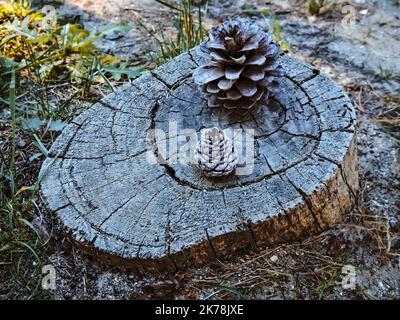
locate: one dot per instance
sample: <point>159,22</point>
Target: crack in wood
<point>211,244</point>
<point>353,193</point>
<point>308,203</point>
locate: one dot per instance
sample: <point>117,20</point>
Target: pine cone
<point>243,67</point>
<point>215,153</point>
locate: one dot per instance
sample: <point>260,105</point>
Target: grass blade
<point>13,122</point>
<point>234,291</point>
<point>27,246</point>
<point>41,146</point>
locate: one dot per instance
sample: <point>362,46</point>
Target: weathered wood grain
<point>164,214</point>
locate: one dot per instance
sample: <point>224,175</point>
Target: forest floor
<point>362,55</point>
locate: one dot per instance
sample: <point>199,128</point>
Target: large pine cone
<point>215,153</point>
<point>243,67</point>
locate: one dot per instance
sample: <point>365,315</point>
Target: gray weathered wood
<point>163,215</point>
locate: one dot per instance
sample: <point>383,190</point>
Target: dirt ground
<point>361,53</point>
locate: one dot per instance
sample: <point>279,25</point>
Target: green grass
<point>272,26</point>
<point>189,30</point>
<point>20,243</point>
<point>35,64</point>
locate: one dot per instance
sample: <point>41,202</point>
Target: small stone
<point>274,258</point>
<point>394,224</point>
<point>21,142</point>
<point>5,114</point>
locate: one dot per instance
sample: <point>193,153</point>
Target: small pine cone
<point>215,153</point>
<point>243,67</point>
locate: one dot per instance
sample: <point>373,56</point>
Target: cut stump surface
<point>159,214</point>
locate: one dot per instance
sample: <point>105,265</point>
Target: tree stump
<point>161,215</point>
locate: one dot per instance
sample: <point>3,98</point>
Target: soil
<point>363,58</point>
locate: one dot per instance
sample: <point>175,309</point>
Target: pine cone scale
<point>250,46</point>
<point>270,65</point>
<point>219,58</point>
<point>240,60</point>
<point>225,84</point>
<point>254,73</point>
<point>246,87</point>
<point>216,45</point>
<point>212,87</point>
<point>272,51</point>
<point>256,60</point>
<point>233,94</point>
<point>257,96</point>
